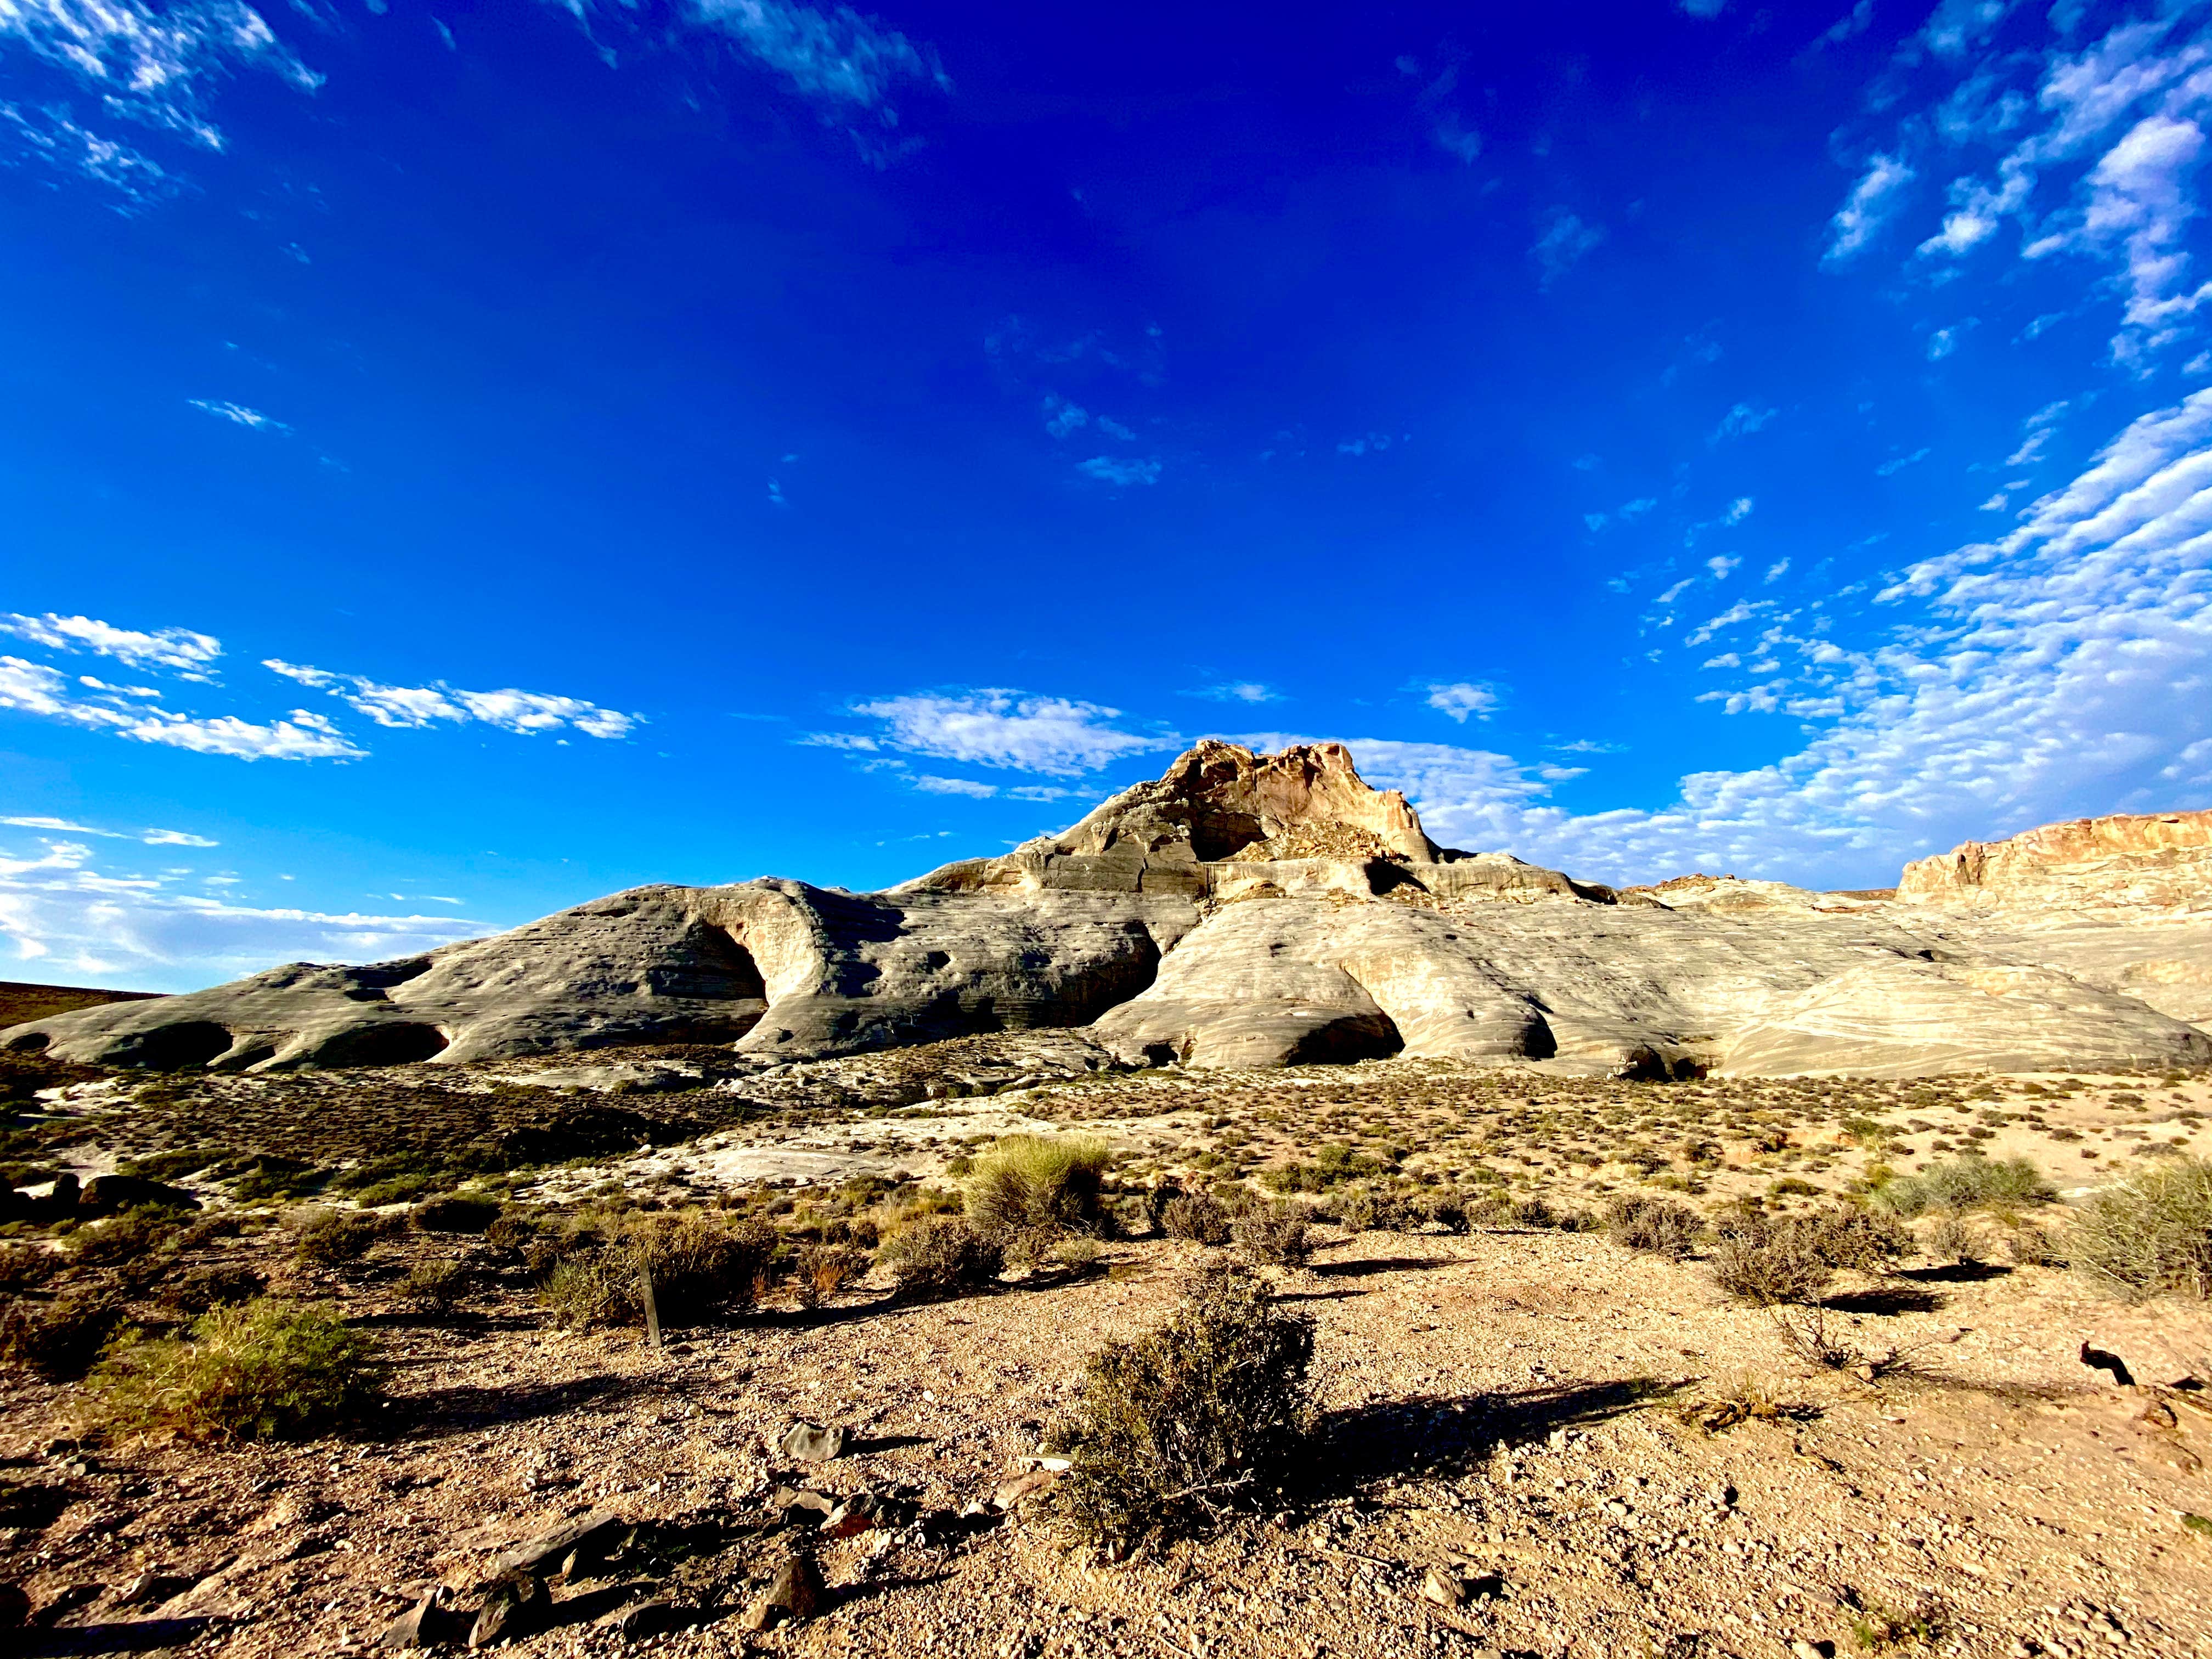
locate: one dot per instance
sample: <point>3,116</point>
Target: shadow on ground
<point>1440,1434</point>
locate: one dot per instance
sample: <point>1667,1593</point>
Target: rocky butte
<point>1249,909</point>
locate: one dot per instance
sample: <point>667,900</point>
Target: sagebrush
<point>1038,1188</point>
<point>1204,1416</point>
<point>2149,1235</point>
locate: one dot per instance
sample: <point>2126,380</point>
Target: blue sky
<point>458,460</point>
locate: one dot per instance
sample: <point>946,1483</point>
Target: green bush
<point>262,1371</point>
<point>456,1212</point>
<point>1031,1185</point>
<point>1657,1226</point>
<point>1204,1416</point>
<point>936,1255</point>
<point>2149,1235</point>
<point>1279,1233</point>
<point>1373,1210</point>
<point>1965,1184</point>
<point>60,1339</point>
<point>435,1284</point>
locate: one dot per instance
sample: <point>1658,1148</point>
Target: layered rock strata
<point>1256,911</point>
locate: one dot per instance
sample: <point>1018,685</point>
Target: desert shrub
<point>1279,1233</point>
<point>265,1175</point>
<point>1850,1235</point>
<point>262,1371</point>
<point>1203,1416</point>
<point>2149,1235</point>
<point>937,1255</point>
<point>513,1231</point>
<point>130,1236</point>
<point>26,1266</point>
<point>1445,1210</point>
<point>703,1266</point>
<point>1965,1184</point>
<point>1373,1210</point>
<point>1769,1258</point>
<point>58,1340</point>
<point>1078,1253</point>
<point>1035,1185</point>
<point>200,1289</point>
<point>1744,1398</point>
<point>456,1212</point>
<point>171,1164</point>
<point>1197,1216</point>
<point>331,1238</point>
<point>1951,1239</point>
<point>435,1284</point>
<point>1657,1226</point>
<point>824,1270</point>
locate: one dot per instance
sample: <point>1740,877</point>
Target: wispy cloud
<point>1462,700</point>
<point>33,689</point>
<point>149,838</point>
<point>181,650</point>
<point>1741,422</point>
<point>1874,199</point>
<point>51,136</point>
<point>1564,241</point>
<point>64,909</point>
<point>1113,469</point>
<point>237,414</point>
<point>1241,691</point>
<point>529,714</point>
<point>1058,737</point>
<point>930,784</point>
<point>1899,462</point>
<point>159,67</point>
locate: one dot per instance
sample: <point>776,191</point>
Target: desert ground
<point>1530,1438</point>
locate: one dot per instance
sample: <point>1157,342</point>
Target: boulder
<point>109,1194</point>
<point>811,1442</point>
<point>795,1594</point>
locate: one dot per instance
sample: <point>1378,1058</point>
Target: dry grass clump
<point>1034,1189</point>
<point>1203,1416</point>
<point>1745,1398</point>
<point>825,1269</point>
<point>1966,1183</point>
<point>2149,1235</point>
<point>455,1212</point>
<point>331,1238</point>
<point>1278,1234</point>
<point>262,1371</point>
<point>1658,1226</point>
<point>939,1255</point>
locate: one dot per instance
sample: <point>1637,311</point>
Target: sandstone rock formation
<point>1256,910</point>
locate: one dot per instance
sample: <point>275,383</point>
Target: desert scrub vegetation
<point>1028,1190</point>
<point>330,1238</point>
<point>1769,1258</point>
<point>701,1265</point>
<point>258,1371</point>
<point>1965,1184</point>
<point>60,1339</point>
<point>939,1255</point>
<point>1199,1217</point>
<point>1278,1234</point>
<point>1657,1226</point>
<point>2150,1235</point>
<point>1204,1416</point>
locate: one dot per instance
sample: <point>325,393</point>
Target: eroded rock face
<point>2144,862</point>
<point>1256,910</point>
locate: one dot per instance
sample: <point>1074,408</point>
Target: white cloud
<point>1741,422</point>
<point>50,136</point>
<point>1738,510</point>
<point>2139,200</point>
<point>1366,443</point>
<point>929,783</point>
<point>1114,428</point>
<point>178,649</point>
<point>1705,8</point>
<point>1109,470</point>
<point>174,838</point>
<point>1462,699</point>
<point>834,55</point>
<point>1564,242</point>
<point>1062,417</point>
<point>237,414</point>
<point>2065,669</point>
<point>1899,462</point>
<point>411,708</point>
<point>1777,570</point>
<point>62,910</point>
<point>1241,691</point>
<point>155,67</point>
<point>1723,566</point>
<point>149,838</point>
<point>33,689</point>
<point>1941,343</point>
<point>1056,736</point>
<point>1874,199</point>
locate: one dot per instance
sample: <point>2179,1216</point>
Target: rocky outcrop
<point>1253,910</point>
<point>2139,862</point>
